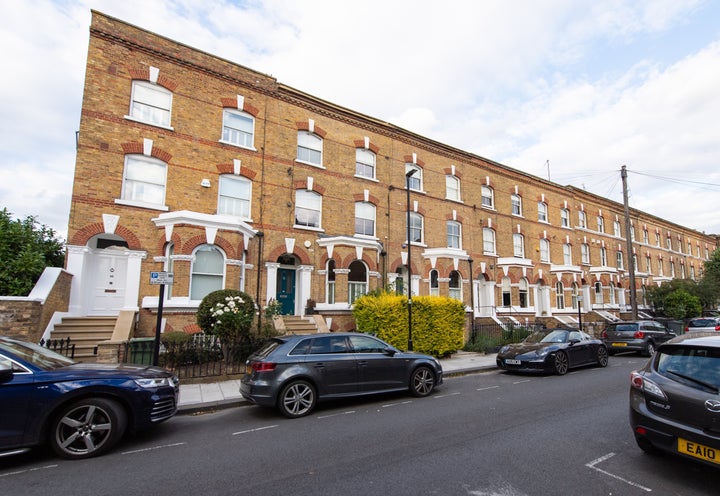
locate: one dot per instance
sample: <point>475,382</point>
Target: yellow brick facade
<point>202,87</point>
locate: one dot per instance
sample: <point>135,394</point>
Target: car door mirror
<point>390,351</point>
<point>6,370</point>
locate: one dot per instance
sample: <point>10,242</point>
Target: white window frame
<point>567,254</point>
<point>150,103</point>
<point>489,241</point>
<point>434,283</point>
<point>518,245</point>
<point>487,196</point>
<point>542,212</point>
<point>236,205</point>
<point>582,220</point>
<point>308,203</point>
<point>310,148</point>
<point>455,292</point>
<point>560,295</point>
<point>365,215</point>
<point>454,239</point>
<point>330,281</point>
<point>415,182</point>
<point>564,217</point>
<point>452,188</point>
<point>600,224</point>
<point>516,202</point>
<point>585,253</point>
<point>616,229</point>
<point>197,276</point>
<point>416,227</point>
<point>619,259</point>
<point>356,288</point>
<point>603,257</point>
<point>233,134</point>
<point>142,189</point>
<point>365,163</point>
<point>544,250</point>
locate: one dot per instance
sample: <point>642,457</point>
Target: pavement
<point>195,398</point>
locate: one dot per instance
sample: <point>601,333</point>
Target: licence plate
<point>512,361</point>
<point>700,451</point>
<point>619,344</point>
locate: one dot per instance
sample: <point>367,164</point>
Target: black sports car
<point>554,351</point>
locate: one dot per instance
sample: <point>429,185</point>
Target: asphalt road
<point>486,434</point>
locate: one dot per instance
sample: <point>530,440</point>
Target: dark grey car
<point>294,372</point>
<point>675,399</point>
<point>641,336</point>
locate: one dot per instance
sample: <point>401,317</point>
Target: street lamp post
<point>472,301</point>
<point>408,174</point>
<point>259,236</point>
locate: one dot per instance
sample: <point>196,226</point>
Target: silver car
<point>294,372</point>
<point>703,324</point>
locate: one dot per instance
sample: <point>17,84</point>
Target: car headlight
<point>542,352</point>
<point>504,349</point>
<point>155,382</point>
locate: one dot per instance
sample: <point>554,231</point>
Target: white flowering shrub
<point>227,313</point>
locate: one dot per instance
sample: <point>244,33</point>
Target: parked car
<point>641,336</point>
<point>675,399</point>
<point>556,351</point>
<point>703,324</point>
<point>294,372</point>
<point>80,409</point>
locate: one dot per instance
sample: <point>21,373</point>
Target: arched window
<point>309,148</point>
<point>168,266</point>
<point>365,163</point>
<point>365,219</point>
<point>416,228</point>
<point>357,281</point>
<point>516,201</point>
<point>455,285</point>
<point>452,188</point>
<point>506,294</point>
<point>488,241</point>
<point>150,103</point>
<point>415,182</point>
<point>611,293</point>
<point>598,293</point>
<point>545,250</point>
<point>560,295</point>
<point>330,282</point>
<point>207,273</point>
<point>234,195</point>
<point>454,237</point>
<point>434,285</point>
<point>518,246</point>
<point>567,254</point>
<point>488,198</point>
<point>238,128</point>
<point>575,294</point>
<point>523,293</point>
<point>542,212</point>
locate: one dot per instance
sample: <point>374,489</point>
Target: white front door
<point>109,274</point>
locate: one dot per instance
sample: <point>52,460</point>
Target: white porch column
<point>76,256</point>
<point>132,280</point>
<point>304,278</point>
<point>271,269</point>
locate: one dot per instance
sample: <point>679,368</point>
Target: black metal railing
<point>201,356</point>
<point>489,338</point>
<point>62,346</point>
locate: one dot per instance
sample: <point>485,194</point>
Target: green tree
<point>709,285</point>
<point>682,305</point>
<point>26,248</point>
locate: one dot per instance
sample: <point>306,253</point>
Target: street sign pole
<point>156,349</point>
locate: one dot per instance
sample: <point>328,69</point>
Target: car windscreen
<point>702,323</point>
<point>695,365</point>
<point>37,355</point>
<point>623,327</point>
<point>555,337</point>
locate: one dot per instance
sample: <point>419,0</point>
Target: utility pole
<point>628,240</point>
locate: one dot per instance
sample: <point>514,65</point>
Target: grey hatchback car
<point>675,399</point>
<point>294,372</point>
<point>641,336</point>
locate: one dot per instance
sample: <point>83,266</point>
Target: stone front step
<point>85,333</point>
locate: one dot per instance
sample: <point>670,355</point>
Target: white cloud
<point>587,85</point>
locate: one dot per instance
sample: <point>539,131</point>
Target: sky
<point>566,90</point>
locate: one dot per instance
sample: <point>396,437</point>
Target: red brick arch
<point>143,73</point>
<point>82,236</point>
<point>279,251</point>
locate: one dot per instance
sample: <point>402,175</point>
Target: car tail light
<point>717,327</point>
<point>263,366</point>
<point>639,335</point>
<point>604,334</point>
<point>687,328</point>
<point>645,385</point>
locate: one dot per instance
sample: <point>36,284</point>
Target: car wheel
<point>561,363</point>
<point>649,349</point>
<point>602,356</point>
<point>87,428</point>
<point>422,382</point>
<point>297,399</point>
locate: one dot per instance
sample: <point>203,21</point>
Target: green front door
<point>286,290</point>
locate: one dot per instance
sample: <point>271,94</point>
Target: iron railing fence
<point>62,346</point>
<point>489,338</point>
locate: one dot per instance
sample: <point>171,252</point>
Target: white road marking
<point>521,382</point>
<point>446,395</point>
<point>132,452</point>
<point>486,388</point>
<point>349,412</point>
<point>28,470</point>
<point>396,404</point>
<point>606,457</point>
<point>254,430</point>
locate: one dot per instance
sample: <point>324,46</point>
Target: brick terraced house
<point>191,164</point>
